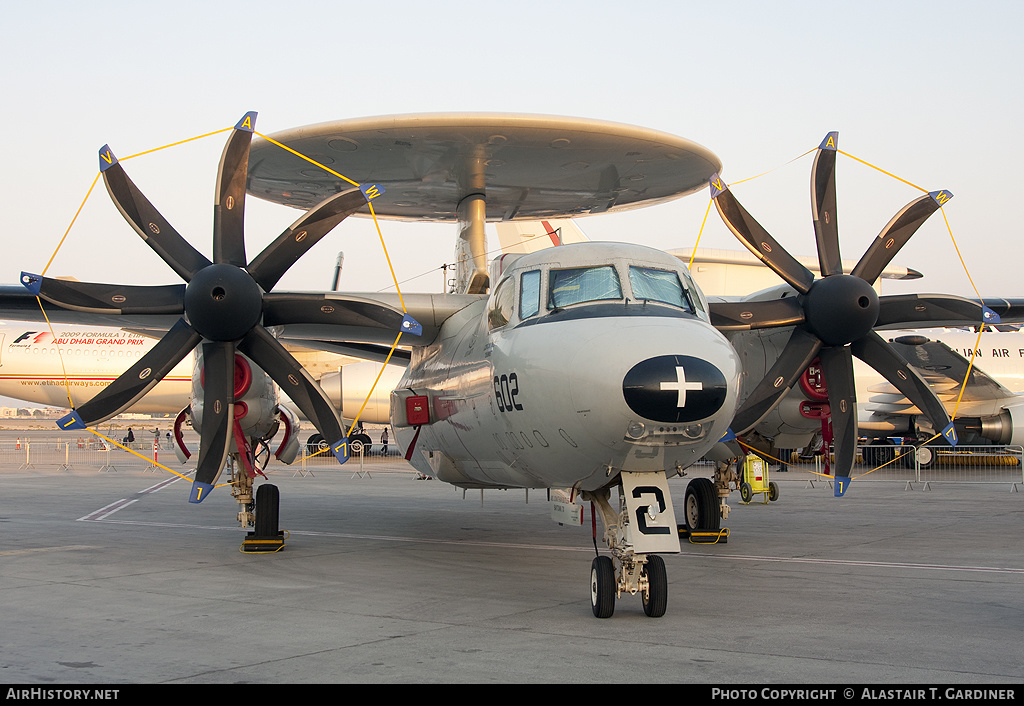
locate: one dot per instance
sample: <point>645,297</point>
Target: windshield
<point>658,285</point>
<point>529,295</point>
<point>584,284</point>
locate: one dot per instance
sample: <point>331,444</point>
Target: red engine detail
<point>812,382</point>
<point>815,410</point>
<point>243,376</point>
<point>178,438</point>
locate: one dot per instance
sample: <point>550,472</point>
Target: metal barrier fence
<point>931,464</point>
<point>938,464</point>
<point>91,453</point>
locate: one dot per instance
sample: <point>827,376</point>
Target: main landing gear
<point>642,527</point>
<point>266,536</point>
<point>261,513</point>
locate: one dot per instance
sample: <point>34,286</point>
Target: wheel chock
<point>252,543</point>
<point>719,536</point>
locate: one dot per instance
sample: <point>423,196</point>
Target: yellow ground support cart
<point>754,480</point>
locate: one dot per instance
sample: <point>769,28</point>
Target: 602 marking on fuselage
<point>506,391</point>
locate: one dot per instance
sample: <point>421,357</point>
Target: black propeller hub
<point>223,302</point>
<point>841,309</point>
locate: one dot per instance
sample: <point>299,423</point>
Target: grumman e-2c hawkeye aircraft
<point>591,367</point>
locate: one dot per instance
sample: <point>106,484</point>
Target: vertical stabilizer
<point>530,236</point>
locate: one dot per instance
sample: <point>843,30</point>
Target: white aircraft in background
<point>46,368</point>
<point>79,361</point>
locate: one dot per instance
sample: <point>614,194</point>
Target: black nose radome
<point>674,388</point>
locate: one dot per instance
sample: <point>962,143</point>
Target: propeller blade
<point>294,381</point>
<point>108,298</point>
<point>1004,310</point>
<point>837,365</point>
<point>229,201</point>
<point>823,206</point>
<point>147,221</point>
<point>747,316</point>
<point>138,379</point>
<point>756,239</point>
<point>874,351</point>
<point>218,416</point>
<point>301,308</point>
<point>268,267</point>
<point>896,234</point>
<point>908,310</point>
<point>797,355</point>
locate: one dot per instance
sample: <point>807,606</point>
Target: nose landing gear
<point>642,527</point>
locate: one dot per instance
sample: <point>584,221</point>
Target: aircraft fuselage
<point>523,393</point>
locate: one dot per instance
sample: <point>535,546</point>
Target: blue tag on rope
<point>340,449</point>
<point>842,483</point>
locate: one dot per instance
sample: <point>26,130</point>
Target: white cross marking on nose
<point>681,385</point>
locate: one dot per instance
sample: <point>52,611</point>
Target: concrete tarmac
<point>391,579</point>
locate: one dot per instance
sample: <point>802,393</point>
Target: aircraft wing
<point>328,317</point>
<point>944,369</point>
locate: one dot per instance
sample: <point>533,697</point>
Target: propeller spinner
<point>834,315</point>
<point>221,306</point>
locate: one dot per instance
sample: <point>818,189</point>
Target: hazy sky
<point>930,91</point>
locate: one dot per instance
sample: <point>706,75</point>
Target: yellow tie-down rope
<point>970,363</point>
<point>370,193</point>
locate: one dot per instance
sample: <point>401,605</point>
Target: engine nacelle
<point>255,398</point>
<point>349,386</point>
<point>1005,428</point>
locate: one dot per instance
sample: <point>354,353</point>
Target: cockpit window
<point>529,294</point>
<point>660,286</point>
<point>584,284</point>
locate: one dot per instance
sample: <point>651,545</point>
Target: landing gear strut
<point>261,513</point>
<point>634,533</point>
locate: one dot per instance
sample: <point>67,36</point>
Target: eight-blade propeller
<point>222,306</point>
<point>833,316</point>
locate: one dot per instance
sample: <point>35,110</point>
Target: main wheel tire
<point>925,457</point>
<point>746,492</point>
<point>602,587</point>
<point>360,444</point>
<point>268,504</point>
<point>700,505</point>
<point>656,597</point>
<point>879,453</point>
<point>315,443</point>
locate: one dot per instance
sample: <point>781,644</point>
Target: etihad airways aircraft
<point>77,362</point>
<point>592,367</point>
